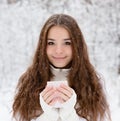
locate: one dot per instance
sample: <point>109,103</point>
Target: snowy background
<point>20,25</point>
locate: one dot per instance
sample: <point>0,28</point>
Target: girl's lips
<point>59,57</point>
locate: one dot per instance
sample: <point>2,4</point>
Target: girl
<point>61,55</point>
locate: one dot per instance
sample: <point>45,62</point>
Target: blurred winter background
<point>20,25</point>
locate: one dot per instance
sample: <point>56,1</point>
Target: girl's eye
<point>68,43</point>
<point>50,43</point>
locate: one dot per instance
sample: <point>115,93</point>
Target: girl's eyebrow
<point>50,39</point>
<point>67,39</point>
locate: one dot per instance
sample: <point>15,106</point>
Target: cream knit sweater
<point>67,111</point>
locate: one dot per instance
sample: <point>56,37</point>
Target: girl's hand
<point>48,95</point>
<point>60,94</point>
<point>65,92</point>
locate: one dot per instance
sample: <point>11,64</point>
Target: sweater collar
<point>53,69</point>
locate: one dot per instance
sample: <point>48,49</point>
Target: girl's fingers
<point>58,99</point>
<point>47,94</point>
<point>46,90</point>
<point>63,96</point>
<point>52,102</point>
<point>50,98</point>
<point>65,92</point>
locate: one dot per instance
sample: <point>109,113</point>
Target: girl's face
<point>59,47</point>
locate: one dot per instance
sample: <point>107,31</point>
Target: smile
<point>59,58</point>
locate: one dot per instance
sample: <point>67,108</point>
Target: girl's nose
<point>59,49</point>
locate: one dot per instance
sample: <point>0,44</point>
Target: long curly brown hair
<point>91,102</point>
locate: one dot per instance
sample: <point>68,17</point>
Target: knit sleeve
<point>49,113</point>
<point>67,112</point>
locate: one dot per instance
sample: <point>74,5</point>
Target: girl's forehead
<point>58,32</point>
<point>59,29</point>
